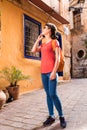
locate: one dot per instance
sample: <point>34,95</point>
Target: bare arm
<point>57,60</point>
<point>35,46</point>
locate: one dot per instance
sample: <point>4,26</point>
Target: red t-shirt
<point>47,57</point>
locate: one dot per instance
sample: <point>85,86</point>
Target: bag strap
<point>60,50</point>
<point>53,44</point>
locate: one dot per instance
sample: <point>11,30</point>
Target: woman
<point>49,65</point>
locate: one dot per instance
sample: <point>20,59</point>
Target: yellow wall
<point>12,47</point>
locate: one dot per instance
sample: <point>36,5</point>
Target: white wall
<point>52,3</point>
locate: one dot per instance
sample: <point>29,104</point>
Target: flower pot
<point>2,98</point>
<point>13,92</point>
<point>6,93</point>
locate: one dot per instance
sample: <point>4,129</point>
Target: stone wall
<point>79,47</point>
<point>79,56</point>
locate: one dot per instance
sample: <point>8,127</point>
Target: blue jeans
<point>51,93</point>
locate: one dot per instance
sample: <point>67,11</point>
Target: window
<point>32,29</point>
<point>77,19</point>
<point>80,54</point>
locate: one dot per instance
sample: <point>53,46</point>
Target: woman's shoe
<point>62,122</point>
<point>49,121</point>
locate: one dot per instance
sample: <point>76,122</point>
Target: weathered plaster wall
<point>79,64</point>
<point>12,47</point>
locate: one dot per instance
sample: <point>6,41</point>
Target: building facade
<point>78,27</point>
<point>21,21</point>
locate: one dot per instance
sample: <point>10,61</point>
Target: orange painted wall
<point>12,47</point>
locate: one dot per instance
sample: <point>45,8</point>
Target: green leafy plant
<point>13,75</point>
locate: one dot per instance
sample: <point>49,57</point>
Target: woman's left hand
<point>52,75</point>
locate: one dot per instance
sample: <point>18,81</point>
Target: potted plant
<point>13,75</point>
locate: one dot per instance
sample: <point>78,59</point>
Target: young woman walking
<point>49,65</point>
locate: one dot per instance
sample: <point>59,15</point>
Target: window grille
<point>77,19</point>
<point>32,29</point>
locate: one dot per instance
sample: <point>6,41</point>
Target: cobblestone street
<point>29,111</point>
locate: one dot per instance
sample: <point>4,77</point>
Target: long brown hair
<point>53,30</point>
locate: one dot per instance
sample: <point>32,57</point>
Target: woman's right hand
<point>52,75</point>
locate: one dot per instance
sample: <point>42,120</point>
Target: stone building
<point>78,20</point>
<point>21,21</point>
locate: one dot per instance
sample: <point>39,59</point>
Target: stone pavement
<point>29,111</point>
